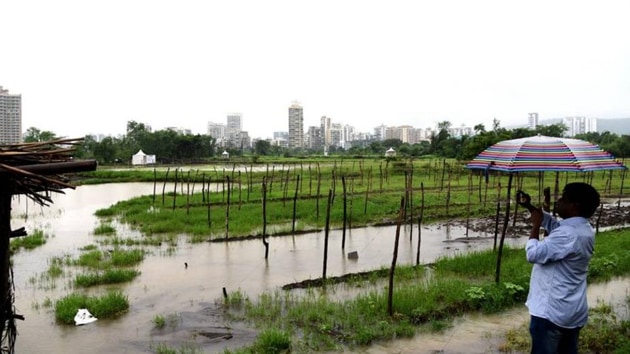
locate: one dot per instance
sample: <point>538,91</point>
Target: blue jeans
<point>547,338</point>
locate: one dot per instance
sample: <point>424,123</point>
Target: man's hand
<point>524,200</point>
<point>537,217</point>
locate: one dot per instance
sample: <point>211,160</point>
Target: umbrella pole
<point>505,224</point>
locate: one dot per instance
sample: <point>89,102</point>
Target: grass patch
<point>97,259</point>
<point>109,305</point>
<point>104,229</point>
<point>32,241</point>
<point>269,341</point>
<point>109,276</point>
<point>159,321</point>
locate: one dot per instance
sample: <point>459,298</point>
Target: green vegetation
<point>162,348</point>
<point>104,229</point>
<point>268,341</point>
<point>34,240</point>
<point>109,305</point>
<point>422,300</point>
<point>109,276</point>
<point>98,259</point>
<point>159,321</point>
<point>442,190</point>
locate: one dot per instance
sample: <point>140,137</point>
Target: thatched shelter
<point>36,170</point>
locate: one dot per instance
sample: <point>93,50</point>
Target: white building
<point>217,131</point>
<point>10,117</point>
<point>579,125</point>
<point>532,121</point>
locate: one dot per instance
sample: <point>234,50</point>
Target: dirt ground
<point>608,215</point>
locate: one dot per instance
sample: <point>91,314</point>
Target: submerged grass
<point>109,276</point>
<point>109,305</point>
<point>456,285</point>
<point>34,240</point>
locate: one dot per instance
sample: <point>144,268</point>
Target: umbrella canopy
<point>544,153</point>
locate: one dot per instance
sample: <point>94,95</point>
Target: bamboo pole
<point>343,232</point>
<point>326,232</point>
<point>505,224</point>
<point>420,223</point>
<point>295,198</point>
<point>392,269</point>
<point>264,215</point>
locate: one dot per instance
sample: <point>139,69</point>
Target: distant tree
<point>262,147</point>
<point>556,130</point>
<point>393,143</point>
<point>34,135</point>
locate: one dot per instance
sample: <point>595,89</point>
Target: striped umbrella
<point>544,153</point>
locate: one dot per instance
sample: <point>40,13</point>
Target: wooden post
<point>6,193</point>
<point>392,269</point>
<point>175,190</point>
<point>295,198</point>
<point>326,232</point>
<point>505,224</point>
<point>420,223</point>
<point>264,215</point>
<point>343,232</point>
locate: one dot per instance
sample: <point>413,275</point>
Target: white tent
<point>390,152</point>
<point>140,158</point>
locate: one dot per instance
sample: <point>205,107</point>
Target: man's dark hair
<point>584,195</point>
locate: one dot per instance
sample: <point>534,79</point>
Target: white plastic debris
<point>83,316</point>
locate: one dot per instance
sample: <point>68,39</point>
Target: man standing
<point>557,292</point>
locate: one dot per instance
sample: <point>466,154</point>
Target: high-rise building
<point>579,125</point>
<point>10,117</point>
<point>217,131</point>
<point>325,126</point>
<point>296,126</point>
<point>532,121</point>
<point>233,129</point>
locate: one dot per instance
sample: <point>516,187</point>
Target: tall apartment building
<point>217,131</point>
<point>532,121</point>
<point>579,125</point>
<point>325,126</point>
<point>10,117</point>
<point>296,126</point>
<point>233,129</point>
<point>379,132</point>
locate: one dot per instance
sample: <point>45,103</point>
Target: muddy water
<point>187,295</point>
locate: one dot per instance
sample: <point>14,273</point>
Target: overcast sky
<point>90,66</point>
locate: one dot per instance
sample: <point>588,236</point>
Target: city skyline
<point>403,63</point>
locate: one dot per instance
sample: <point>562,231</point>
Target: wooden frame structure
<point>36,170</point>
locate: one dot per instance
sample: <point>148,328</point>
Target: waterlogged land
<point>425,299</point>
<point>231,204</point>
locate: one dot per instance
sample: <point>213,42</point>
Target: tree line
<point>172,147</point>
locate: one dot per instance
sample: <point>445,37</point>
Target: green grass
<point>98,259</point>
<point>110,305</point>
<point>109,276</point>
<point>105,229</point>
<point>159,321</point>
<point>34,240</point>
<point>268,341</point>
